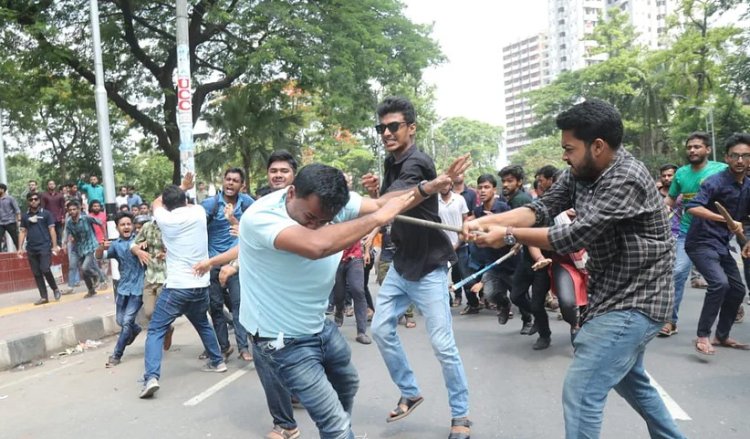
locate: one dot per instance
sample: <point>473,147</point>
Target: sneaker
<point>41,301</point>
<point>541,343</point>
<point>363,338</point>
<point>526,328</point>
<point>470,310</point>
<point>338,318</point>
<point>503,314</point>
<point>133,335</point>
<point>168,338</point>
<point>151,386</point>
<point>57,295</point>
<point>534,329</point>
<point>68,291</point>
<point>221,367</point>
<point>112,361</point>
<point>740,315</point>
<point>282,433</point>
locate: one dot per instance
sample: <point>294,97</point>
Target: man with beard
<point>512,178</point>
<point>545,178</point>
<point>39,225</point>
<point>707,244</point>
<point>81,229</point>
<point>93,190</point>
<point>622,223</point>
<point>686,182</point>
<point>54,201</point>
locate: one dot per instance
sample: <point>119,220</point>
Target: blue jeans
<point>278,399</point>
<point>74,274</point>
<point>609,354</point>
<point>127,308</point>
<point>350,276</point>
<point>428,294</point>
<point>319,370</point>
<point>724,293</point>
<point>216,294</point>
<point>170,304</point>
<point>681,273</point>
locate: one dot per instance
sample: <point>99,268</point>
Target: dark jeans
<point>351,276</point>
<point>278,399</point>
<point>12,229</point>
<point>318,369</point>
<point>526,277</point>
<point>90,270</point>
<point>368,268</point>
<point>724,293</point>
<point>170,304</point>
<point>216,295</point>
<point>59,226</point>
<point>461,268</point>
<point>40,263</point>
<point>126,308</point>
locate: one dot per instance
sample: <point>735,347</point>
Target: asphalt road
<point>514,391</point>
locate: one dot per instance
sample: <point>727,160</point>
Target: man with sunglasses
<point>707,244</point>
<point>38,225</point>
<point>419,272</point>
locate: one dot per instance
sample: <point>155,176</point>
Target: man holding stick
<point>623,224</point>
<point>419,272</point>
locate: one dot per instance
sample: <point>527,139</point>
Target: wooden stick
<point>728,218</point>
<point>428,224</point>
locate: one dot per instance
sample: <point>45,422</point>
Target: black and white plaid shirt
<point>622,223</point>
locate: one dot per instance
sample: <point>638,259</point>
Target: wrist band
<point>421,190</point>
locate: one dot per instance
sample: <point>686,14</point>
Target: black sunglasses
<point>392,127</point>
<point>34,199</point>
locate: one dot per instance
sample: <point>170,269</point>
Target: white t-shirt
<point>120,200</point>
<point>183,232</point>
<point>452,212</point>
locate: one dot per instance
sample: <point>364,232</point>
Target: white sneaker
<point>221,367</point>
<point>151,386</point>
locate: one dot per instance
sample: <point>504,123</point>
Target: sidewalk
<point>29,332</point>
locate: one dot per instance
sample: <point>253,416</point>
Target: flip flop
<point>400,413</point>
<point>706,349</point>
<point>730,343</point>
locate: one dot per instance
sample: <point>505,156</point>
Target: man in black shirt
<point>38,226</point>
<point>419,272</point>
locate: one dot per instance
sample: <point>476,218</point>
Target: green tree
<point>541,152</point>
<point>459,135</point>
<point>333,49</point>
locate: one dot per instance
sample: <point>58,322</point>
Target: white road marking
<point>39,375</point>
<point>213,389</point>
<point>674,409</point>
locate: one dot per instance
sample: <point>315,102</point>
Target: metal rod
<point>428,224</point>
<point>505,257</point>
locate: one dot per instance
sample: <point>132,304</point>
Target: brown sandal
<point>410,323</point>
<point>464,427</point>
<point>730,343</point>
<point>703,347</point>
<point>399,413</point>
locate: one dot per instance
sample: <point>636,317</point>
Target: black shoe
<point>534,329</point>
<point>41,301</point>
<point>329,310</point>
<point>57,294</point>
<point>470,310</point>
<point>541,343</point>
<point>526,329</point>
<point>503,314</point>
<point>89,295</point>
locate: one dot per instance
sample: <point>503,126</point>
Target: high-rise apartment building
<point>525,68</point>
<point>649,18</point>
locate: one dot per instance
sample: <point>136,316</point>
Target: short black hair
<point>667,166</point>
<point>121,215</point>
<point>91,204</point>
<point>546,171</point>
<point>327,182</point>
<point>31,194</point>
<point>72,203</point>
<point>487,178</point>
<point>700,135</point>
<point>398,104</point>
<point>71,183</point>
<point>124,187</point>
<point>593,119</point>
<point>263,191</point>
<point>513,170</point>
<point>736,139</point>
<point>3,186</point>
<point>235,171</point>
<point>173,197</point>
<point>124,206</point>
<point>282,155</point>
<point>143,204</point>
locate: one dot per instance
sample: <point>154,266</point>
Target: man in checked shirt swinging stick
<point>622,224</point>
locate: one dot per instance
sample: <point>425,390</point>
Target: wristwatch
<point>420,188</point>
<point>509,240</point>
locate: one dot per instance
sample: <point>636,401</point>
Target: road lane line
<point>213,389</point>
<point>674,409</point>
<point>39,375</point>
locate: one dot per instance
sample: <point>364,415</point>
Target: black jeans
<point>40,263</point>
<point>460,269</point>
<point>724,293</point>
<point>526,277</point>
<point>12,229</point>
<point>351,276</point>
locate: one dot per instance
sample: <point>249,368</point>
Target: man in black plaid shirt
<point>622,223</point>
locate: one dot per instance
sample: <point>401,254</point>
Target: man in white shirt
<point>122,199</point>
<point>183,229</point>
<point>453,210</point>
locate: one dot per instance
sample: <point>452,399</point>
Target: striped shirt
<point>83,233</point>
<point>622,223</point>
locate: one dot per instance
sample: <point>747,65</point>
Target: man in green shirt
<point>512,178</point>
<point>93,190</point>
<point>687,182</point>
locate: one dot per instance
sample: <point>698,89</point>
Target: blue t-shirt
<point>481,256</point>
<point>219,238</point>
<point>283,291</point>
<point>131,270</point>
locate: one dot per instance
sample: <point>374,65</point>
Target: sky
<point>471,34</point>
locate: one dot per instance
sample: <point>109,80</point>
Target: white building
<point>525,68</point>
<point>649,17</point>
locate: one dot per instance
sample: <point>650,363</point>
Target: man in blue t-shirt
<point>129,296</point>
<point>38,230</point>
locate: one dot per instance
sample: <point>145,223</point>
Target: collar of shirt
<point>409,151</point>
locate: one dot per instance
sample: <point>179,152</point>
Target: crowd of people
<point>600,242</point>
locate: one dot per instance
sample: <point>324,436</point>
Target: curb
<point>42,344</point>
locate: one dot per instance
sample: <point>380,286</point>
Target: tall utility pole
<point>102,117</point>
<point>184,95</point>
<point>3,173</point>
